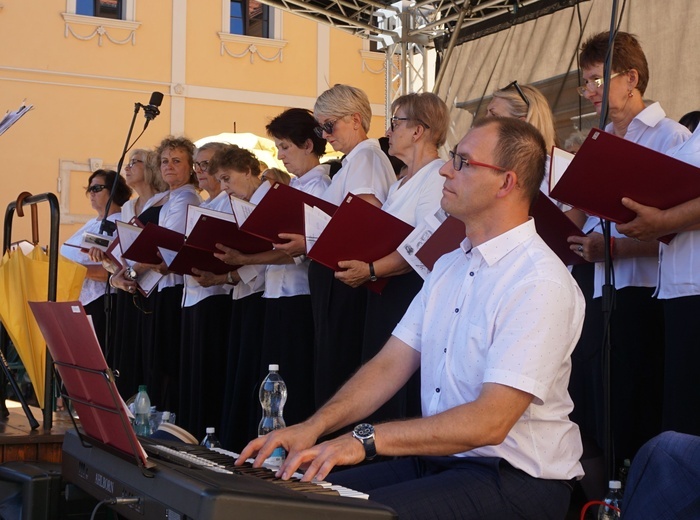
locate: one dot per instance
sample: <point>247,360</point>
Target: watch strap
<point>372,274</point>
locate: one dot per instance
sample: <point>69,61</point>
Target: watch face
<point>364,430</point>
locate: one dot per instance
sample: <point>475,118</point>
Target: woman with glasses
<point>417,129</point>
<point>204,309</point>
<point>176,160</point>
<point>343,114</point>
<point>93,292</point>
<point>636,325</point>
<point>133,310</point>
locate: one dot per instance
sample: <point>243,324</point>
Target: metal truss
<point>408,29</point>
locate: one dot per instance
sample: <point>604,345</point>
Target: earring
<point>630,93</point>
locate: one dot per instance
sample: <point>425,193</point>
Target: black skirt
<point>203,363</point>
<point>240,415</point>
<point>288,341</point>
<point>339,321</point>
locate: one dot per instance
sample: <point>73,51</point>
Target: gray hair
<point>344,100</point>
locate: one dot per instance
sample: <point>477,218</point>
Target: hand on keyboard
<point>319,460</point>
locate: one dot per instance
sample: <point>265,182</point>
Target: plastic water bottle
<point>210,439</point>
<point>142,412</point>
<point>273,395</point>
<point>613,498</point>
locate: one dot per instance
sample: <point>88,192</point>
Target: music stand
<point>88,381</point>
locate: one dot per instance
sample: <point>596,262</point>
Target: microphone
<point>151,110</point>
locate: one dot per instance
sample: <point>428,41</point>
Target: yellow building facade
<point>83,75</point>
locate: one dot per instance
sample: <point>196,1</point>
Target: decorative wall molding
<point>252,48</point>
<point>370,56</point>
<point>100,28</point>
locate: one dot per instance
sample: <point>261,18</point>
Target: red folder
<point>88,381</point>
<point>200,246</point>
<point>550,222</point>
<point>444,239</point>
<point>281,210</point>
<point>359,230</point>
<point>608,168</point>
<point>555,227</point>
<point>145,247</point>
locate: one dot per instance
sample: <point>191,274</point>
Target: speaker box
<point>30,490</point>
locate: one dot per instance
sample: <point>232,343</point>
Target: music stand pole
<point>608,289</point>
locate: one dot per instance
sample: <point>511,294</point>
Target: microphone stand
<point>608,289</point>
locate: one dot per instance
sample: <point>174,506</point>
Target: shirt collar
<point>495,249</point>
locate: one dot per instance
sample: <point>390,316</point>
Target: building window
<point>249,18</point>
<point>100,8</point>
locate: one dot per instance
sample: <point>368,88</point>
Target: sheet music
<point>195,212</point>
<point>148,280</point>
<point>241,209</point>
<point>11,117</point>
<point>558,165</point>
<point>168,255</point>
<point>127,234</point>
<point>417,238</point>
<point>315,221</point>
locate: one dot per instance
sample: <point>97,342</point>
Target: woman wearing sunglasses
<point>92,295</point>
<point>343,114</point>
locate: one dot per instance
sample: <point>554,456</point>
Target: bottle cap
<point>273,368</point>
<point>210,429</point>
<point>615,484</point>
<point>142,388</point>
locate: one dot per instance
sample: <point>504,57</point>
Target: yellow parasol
<point>263,148</point>
<point>25,278</point>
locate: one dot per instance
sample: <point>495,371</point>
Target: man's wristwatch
<point>372,275</point>
<point>365,434</point>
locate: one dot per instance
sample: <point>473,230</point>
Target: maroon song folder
<point>555,227</point>
<point>281,210</point>
<point>145,248</point>
<point>200,246</point>
<point>359,230</point>
<point>88,381</point>
<point>444,239</point>
<point>608,168</point>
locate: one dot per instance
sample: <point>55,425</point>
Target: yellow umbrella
<point>25,278</point>
<point>263,148</point>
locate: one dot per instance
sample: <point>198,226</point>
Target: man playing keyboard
<point>492,331</point>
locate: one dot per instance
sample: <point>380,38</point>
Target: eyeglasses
<point>133,162</point>
<point>202,165</point>
<point>520,91</point>
<point>595,84</point>
<point>459,162</point>
<point>394,120</point>
<point>325,127</point>
<point>96,188</point>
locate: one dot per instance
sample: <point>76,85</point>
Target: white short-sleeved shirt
<point>173,215</point>
<point>366,170</point>
<point>679,261</point>
<point>506,312</point>
<point>252,276</point>
<point>650,128</point>
<point>193,292</point>
<point>128,209</point>
<point>420,195</point>
<point>92,289</point>
<point>293,279</point>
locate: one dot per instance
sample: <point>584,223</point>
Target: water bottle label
<point>276,458</point>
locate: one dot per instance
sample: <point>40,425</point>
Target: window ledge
<point>95,21</point>
<point>373,55</point>
<point>252,43</point>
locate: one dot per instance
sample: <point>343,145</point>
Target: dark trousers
<point>443,488</point>
<point>682,365</point>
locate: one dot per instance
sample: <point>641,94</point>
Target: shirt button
<point>456,310</point>
<point>471,273</point>
<point>437,390</point>
<point>444,350</point>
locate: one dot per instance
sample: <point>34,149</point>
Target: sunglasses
<point>520,91</point>
<point>325,127</point>
<point>96,188</point>
<point>394,121</point>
